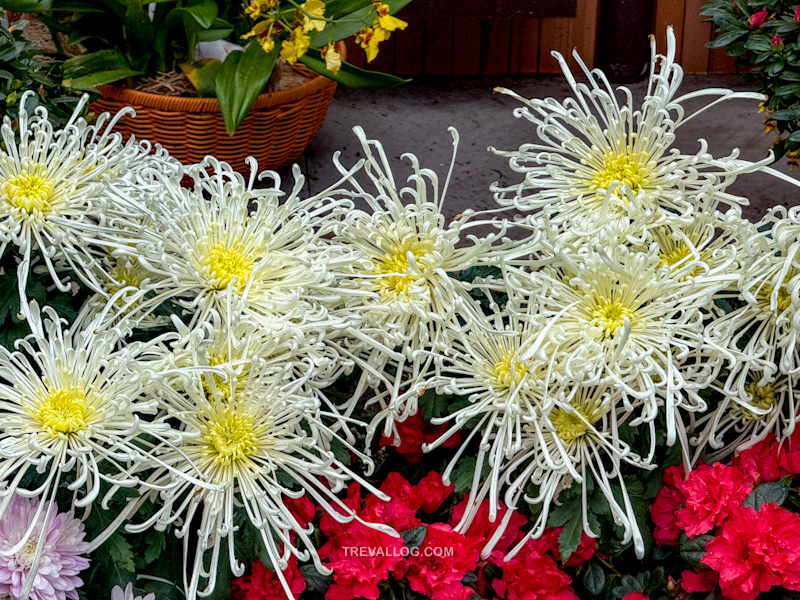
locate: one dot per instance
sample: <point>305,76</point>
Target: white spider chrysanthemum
<point>261,444</point>
<point>54,197</point>
<point>574,441</point>
<point>408,290</point>
<point>71,411</point>
<point>602,162</point>
<point>222,245</point>
<point>763,333</point>
<point>622,319</point>
<point>745,417</point>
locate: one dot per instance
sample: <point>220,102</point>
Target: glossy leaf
<point>240,80</point>
<point>350,75</point>
<point>351,23</point>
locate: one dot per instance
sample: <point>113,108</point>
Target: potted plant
<point>197,101</point>
<point>764,34</point>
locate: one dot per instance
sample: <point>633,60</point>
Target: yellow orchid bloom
<point>333,60</point>
<point>369,38</point>
<point>257,8</point>
<point>387,21</point>
<point>296,46</point>
<point>313,15</point>
<point>265,33</point>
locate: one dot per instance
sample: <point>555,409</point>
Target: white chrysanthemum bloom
<point>620,318</point>
<point>263,443</point>
<point>603,161</point>
<point>504,392</point>
<point>576,440</point>
<point>71,412</point>
<point>746,415</point>
<point>222,245</point>
<point>763,333</point>
<point>53,191</point>
<point>406,287</point>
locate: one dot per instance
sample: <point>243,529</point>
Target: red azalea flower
<point>760,462</point>
<point>302,509</point>
<point>712,494</point>
<point>440,563</point>
<point>431,492</point>
<point>401,511</point>
<point>663,509</point>
<point>776,44</point>
<point>797,16</point>
<point>586,549</point>
<point>699,580</point>
<point>264,584</point>
<point>330,526</point>
<point>757,19</point>
<point>533,576</point>
<point>789,456</point>
<point>414,432</point>
<point>483,529</point>
<point>635,596</point>
<point>360,558</point>
<point>756,550</point>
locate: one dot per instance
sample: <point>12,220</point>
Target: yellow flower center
<point>784,297</point>
<point>28,552</point>
<point>611,315</point>
<point>228,263</point>
<point>762,397</point>
<point>397,268</point>
<point>64,410</point>
<point>569,425</point>
<point>223,384</point>
<point>504,375</point>
<point>231,438</point>
<point>628,169</point>
<point>29,192</point>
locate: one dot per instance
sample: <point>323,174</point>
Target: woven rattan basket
<point>276,130</point>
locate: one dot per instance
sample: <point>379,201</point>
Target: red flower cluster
<point>264,584</point>
<point>414,432</point>
<point>752,551</point>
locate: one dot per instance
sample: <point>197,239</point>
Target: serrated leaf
<point>766,493</point>
<point>594,579</point>
<point>120,552</point>
<point>413,538</point>
<point>156,543</point>
<point>570,537</point>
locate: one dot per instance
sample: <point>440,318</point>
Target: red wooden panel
<point>669,12</point>
<point>355,55</point>
<point>438,47</point>
<point>496,46</point>
<point>555,35</point>
<point>466,46</point>
<point>491,9</point>
<point>583,30</point>
<point>695,56</point>
<point>525,45</point>
<point>409,48</point>
<point>721,62</point>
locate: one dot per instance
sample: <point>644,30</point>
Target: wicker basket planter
<point>276,131</point>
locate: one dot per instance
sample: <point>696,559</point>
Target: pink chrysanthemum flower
<point>127,594</point>
<point>59,558</point>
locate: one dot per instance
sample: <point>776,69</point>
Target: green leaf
<point>766,493</point>
<point>27,6</point>
<point>241,79</point>
<point>9,296</point>
<point>725,39</point>
<point>570,537</point>
<point>788,114</point>
<point>594,579</point>
<point>103,66</point>
<point>120,552</point>
<point>413,538</point>
<point>315,581</point>
<point>156,543</point>
<point>350,75</point>
<point>791,89</point>
<point>462,475</point>
<point>693,550</point>
<point>758,42</point>
<point>349,24</point>
<point>203,76</point>
<point>336,9</point>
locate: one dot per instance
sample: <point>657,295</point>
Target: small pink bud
<point>776,43</point>
<point>797,15</point>
<point>757,19</point>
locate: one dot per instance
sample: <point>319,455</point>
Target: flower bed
<point>225,389</point>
